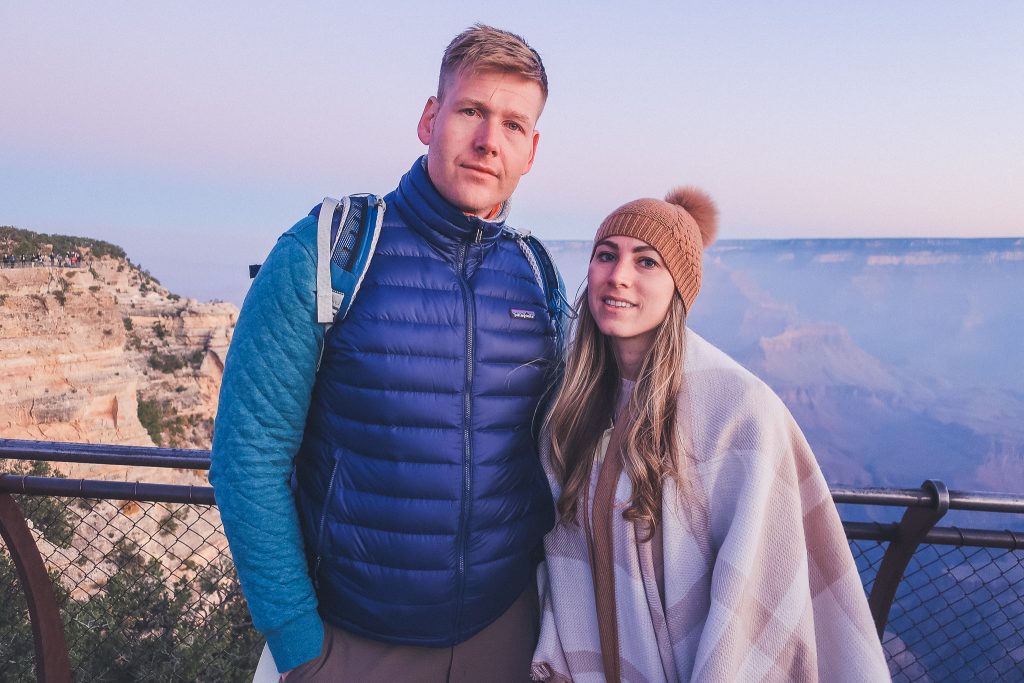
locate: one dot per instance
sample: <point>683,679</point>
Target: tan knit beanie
<point>679,228</point>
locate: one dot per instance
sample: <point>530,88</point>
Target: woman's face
<point>629,291</point>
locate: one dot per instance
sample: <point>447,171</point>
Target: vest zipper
<point>467,455</point>
<point>320,528</point>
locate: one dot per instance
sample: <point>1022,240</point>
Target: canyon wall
<point>101,353</point>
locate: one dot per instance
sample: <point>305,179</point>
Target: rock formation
<point>102,353</point>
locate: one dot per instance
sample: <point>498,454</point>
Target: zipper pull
<point>479,236</point>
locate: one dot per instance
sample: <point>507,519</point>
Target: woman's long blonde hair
<point>585,404</point>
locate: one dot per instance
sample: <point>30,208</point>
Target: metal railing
<point>110,581</point>
<point>131,581</point>
<point>948,602</point>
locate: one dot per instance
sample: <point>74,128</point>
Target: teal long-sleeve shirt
<point>265,395</point>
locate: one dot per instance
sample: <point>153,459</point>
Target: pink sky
<point>194,136</point>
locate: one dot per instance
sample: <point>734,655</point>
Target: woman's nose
<point>620,274</point>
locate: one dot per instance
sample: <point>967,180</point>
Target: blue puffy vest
<point>419,490</point>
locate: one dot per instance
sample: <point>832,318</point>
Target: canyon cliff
<point>99,352</point>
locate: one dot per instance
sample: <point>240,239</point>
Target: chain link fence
<point>147,592</point>
<point>958,613</point>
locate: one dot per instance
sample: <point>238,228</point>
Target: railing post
<point>52,663</point>
<point>915,525</point>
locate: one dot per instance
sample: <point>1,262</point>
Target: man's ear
<point>426,124</point>
<point>533,152</point>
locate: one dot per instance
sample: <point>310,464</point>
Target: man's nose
<point>487,137</point>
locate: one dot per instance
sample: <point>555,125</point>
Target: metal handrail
<point>977,501</point>
<point>101,454</point>
<point>181,458</point>
<point>923,507</point>
<point>114,490</point>
<point>940,535</point>
<point>203,495</point>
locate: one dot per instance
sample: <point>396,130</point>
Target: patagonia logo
<point>522,314</point>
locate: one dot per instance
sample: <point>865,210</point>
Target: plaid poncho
<point>758,581</point>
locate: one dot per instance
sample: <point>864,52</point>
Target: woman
<point>696,539</point>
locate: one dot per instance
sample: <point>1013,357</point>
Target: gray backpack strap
<point>325,306</point>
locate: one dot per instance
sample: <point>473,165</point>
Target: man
<point>404,548</point>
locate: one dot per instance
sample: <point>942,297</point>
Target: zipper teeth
<point>467,415</point>
<point>320,356</point>
<point>320,528</point>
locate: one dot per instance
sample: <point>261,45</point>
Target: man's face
<point>481,138</point>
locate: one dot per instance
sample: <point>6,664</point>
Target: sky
<point>194,133</point>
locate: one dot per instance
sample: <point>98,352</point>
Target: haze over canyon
<point>900,358</point>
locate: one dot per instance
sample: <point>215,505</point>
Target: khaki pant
<point>501,652</point>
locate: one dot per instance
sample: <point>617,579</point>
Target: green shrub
<point>30,243</point>
<point>151,415</point>
<point>142,625</point>
<point>168,524</point>
<point>48,515</point>
<point>165,362</point>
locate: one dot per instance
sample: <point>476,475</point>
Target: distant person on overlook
<point>405,546</point>
<point>696,537</point>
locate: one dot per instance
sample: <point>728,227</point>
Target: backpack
<point>346,237</point>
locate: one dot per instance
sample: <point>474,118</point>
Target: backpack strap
<point>548,277</point>
<point>346,236</point>
<point>559,310</point>
<point>324,295</point>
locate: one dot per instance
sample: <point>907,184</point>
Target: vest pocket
<point>322,525</point>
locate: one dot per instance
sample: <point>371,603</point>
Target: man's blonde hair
<point>483,47</point>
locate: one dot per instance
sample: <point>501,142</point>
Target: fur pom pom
<point>700,206</point>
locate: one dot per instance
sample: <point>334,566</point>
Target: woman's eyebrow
<point>612,245</point>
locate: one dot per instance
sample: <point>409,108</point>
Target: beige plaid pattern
<point>759,581</point>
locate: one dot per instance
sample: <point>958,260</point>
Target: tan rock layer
<point>80,347</point>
